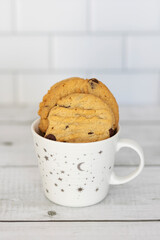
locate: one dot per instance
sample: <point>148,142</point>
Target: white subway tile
<point>87,52</point>
<point>21,52</point>
<point>132,89</point>
<point>143,52</point>
<point>125,15</point>
<point>5,15</point>
<point>32,87</point>
<point>51,15</point>
<point>6,89</point>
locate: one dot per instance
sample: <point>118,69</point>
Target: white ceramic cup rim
<point>36,122</point>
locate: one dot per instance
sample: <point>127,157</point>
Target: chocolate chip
<point>90,133</point>
<point>94,80</point>
<point>92,85</point>
<point>67,126</point>
<point>51,137</point>
<point>112,132</point>
<point>41,133</point>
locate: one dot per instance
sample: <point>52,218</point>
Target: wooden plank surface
<point>130,211</point>
<point>81,231</point>
<point>21,198</point>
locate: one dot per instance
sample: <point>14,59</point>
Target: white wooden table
<point>130,211</point>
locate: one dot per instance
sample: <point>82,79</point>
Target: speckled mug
<point>79,174</point>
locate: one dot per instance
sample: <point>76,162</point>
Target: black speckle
<point>100,152</point>
<point>46,158</point>
<point>89,133</point>
<point>62,190</point>
<point>66,127</point>
<point>60,179</point>
<point>50,172</point>
<point>7,143</point>
<point>51,137</point>
<point>62,171</point>
<point>51,155</point>
<point>80,189</point>
<point>56,184</point>
<point>97,189</point>
<point>51,213</point>
<point>38,156</point>
<point>47,190</point>
<point>44,149</point>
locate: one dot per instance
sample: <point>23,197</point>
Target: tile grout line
<point>124,53</point>
<point>158,88</point>
<point>15,88</point>
<point>88,16</point>
<point>62,71</point>
<point>77,33</point>
<point>13,17</point>
<point>49,52</point>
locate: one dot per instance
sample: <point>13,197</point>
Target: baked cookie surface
<point>75,85</point>
<point>80,117</point>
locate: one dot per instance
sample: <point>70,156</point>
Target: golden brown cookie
<point>80,117</point>
<point>75,85</point>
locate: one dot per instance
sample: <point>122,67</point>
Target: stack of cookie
<point>78,110</point>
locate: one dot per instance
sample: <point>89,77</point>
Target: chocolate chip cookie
<point>80,117</point>
<point>76,85</point>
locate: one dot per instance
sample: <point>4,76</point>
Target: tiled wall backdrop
<point>44,41</point>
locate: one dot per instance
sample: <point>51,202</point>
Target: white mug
<point>79,174</point>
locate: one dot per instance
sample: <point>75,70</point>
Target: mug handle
<point>115,180</point>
